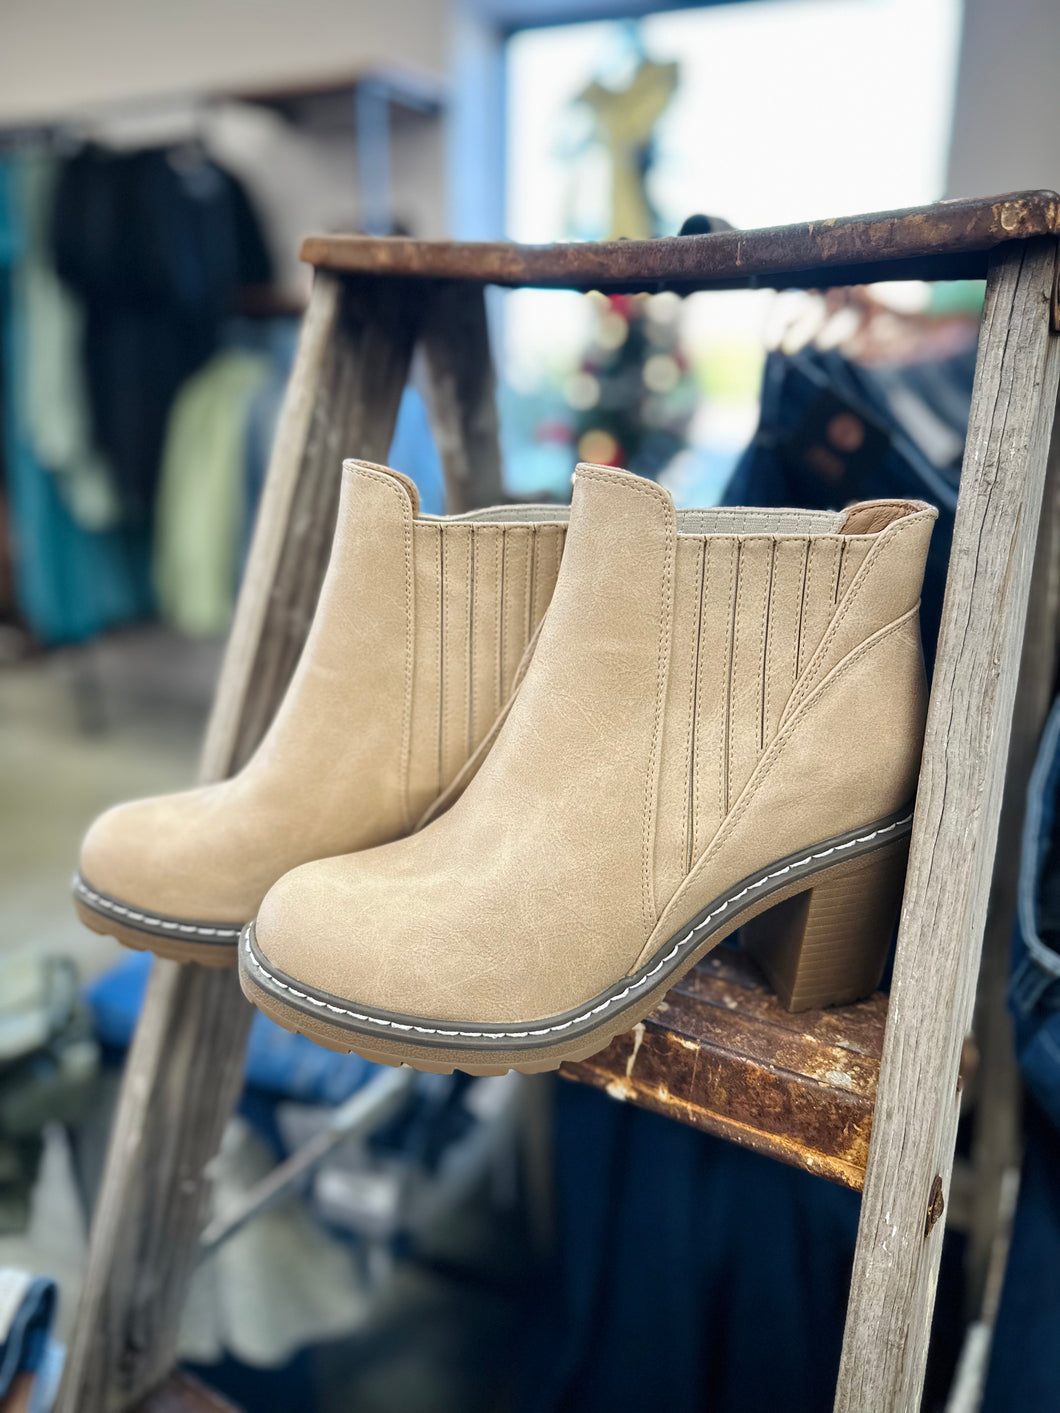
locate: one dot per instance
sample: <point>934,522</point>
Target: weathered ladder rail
<point>954,835</point>
<point>184,1069</point>
<point>373,301</point>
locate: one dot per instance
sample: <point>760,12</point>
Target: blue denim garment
<point>414,451</point>
<point>1035,989</point>
<point>278,1063</point>
<point>29,1313</point>
<point>1024,1372</point>
<point>789,461</point>
<point>71,583</point>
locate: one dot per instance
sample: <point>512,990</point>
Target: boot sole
<point>173,938</point>
<point>826,944</point>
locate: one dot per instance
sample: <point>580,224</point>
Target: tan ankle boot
<point>723,716</point>
<point>415,646</point>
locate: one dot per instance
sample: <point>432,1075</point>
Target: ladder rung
<point>947,240</point>
<point>722,1054</point>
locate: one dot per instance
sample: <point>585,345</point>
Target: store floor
<point>79,730</point>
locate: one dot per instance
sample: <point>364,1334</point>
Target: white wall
<point>58,54</point>
<point>1006,130</point>
<point>74,58</point>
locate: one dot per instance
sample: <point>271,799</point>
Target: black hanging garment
<point>831,432</point>
<point>157,243</point>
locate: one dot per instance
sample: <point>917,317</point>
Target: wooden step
<point>722,1054</point>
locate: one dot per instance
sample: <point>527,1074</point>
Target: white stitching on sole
<point>104,905</point>
<point>604,1005</point>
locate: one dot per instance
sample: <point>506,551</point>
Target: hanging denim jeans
<point>831,432</point>
<point>1024,1372</point>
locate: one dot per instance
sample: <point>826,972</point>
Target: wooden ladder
<point>722,1054</point>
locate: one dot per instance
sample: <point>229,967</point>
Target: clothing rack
<point>364,102</point>
<point>884,1117</point>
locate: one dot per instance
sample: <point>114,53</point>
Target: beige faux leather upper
<point>420,628</point>
<point>710,691</point>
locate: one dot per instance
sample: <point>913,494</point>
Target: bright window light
<point>785,111</point>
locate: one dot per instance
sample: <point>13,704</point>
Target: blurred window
<point>782,110</point>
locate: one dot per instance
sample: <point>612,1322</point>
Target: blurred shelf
<point>316,100</point>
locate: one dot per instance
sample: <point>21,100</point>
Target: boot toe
<point>396,930</point>
<point>160,856</point>
<point>116,853</point>
<point>351,930</point>
<point>306,930</point>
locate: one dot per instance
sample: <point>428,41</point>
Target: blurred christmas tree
<point>632,395</point>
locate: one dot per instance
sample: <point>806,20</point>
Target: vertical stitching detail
<point>720,775</point>
<point>734,646</point>
<point>802,610</point>
<point>693,709</point>
<point>547,578</point>
<point>469,736</point>
<point>763,704</point>
<point>410,652</point>
<point>369,474</point>
<point>517,611</point>
<point>530,571</point>
<point>890,534</point>
<point>543,587</point>
<point>501,542</point>
<point>777,746</point>
<point>442,701</point>
<point>661,674</point>
<point>422,696</point>
<point>833,582</point>
<point>813,574</point>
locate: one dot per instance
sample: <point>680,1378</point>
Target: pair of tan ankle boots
<point>483,836</point>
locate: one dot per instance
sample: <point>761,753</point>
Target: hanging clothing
<point>58,416</point>
<point>48,1064</point>
<point>217,448</point>
<point>157,243</point>
<point>70,582</point>
<point>200,509</point>
<point>680,1257</point>
<point>1024,1372</point>
<point>677,1250</point>
<point>27,1313</point>
<point>831,432</point>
